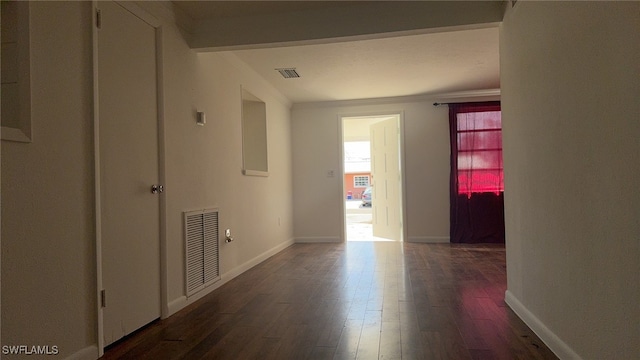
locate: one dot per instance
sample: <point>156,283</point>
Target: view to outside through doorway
<point>357,170</point>
<point>371,159</point>
<point>359,227</point>
<point>357,179</point>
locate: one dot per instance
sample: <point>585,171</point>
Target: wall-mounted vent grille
<point>201,249</point>
<point>288,73</point>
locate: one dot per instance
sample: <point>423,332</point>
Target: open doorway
<point>372,178</point>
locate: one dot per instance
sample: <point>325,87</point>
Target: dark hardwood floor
<point>359,300</point>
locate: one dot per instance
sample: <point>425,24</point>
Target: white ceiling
<point>435,63</point>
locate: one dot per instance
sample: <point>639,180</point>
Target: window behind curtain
<point>477,186</point>
<point>479,140</point>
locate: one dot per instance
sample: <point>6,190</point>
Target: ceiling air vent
<point>288,73</point>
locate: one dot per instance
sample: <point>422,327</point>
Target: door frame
<point>163,274</point>
<point>403,187</point>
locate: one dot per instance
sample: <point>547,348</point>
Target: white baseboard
<point>318,239</point>
<point>429,239</point>
<point>255,261</point>
<point>180,303</point>
<point>88,353</point>
<point>555,344</point>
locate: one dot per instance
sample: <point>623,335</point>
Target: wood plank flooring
<point>358,300</point>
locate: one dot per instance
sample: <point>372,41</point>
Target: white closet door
<point>128,135</point>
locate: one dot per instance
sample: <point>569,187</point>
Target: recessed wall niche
<point>254,135</point>
<point>16,72</point>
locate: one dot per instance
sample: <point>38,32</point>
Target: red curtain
<point>477,178</point>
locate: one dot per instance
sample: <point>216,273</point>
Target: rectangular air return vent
<point>201,249</point>
<point>288,73</point>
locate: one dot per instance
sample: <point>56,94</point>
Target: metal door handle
<point>155,189</point>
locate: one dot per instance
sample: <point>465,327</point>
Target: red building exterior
<point>355,184</point>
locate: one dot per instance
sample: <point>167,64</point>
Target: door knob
<point>157,189</point>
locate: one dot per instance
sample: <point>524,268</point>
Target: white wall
<point>48,261</point>
<point>48,252</point>
<point>204,163</point>
<point>318,200</point>
<point>570,90</point>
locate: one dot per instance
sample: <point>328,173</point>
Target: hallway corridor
<point>357,300</point>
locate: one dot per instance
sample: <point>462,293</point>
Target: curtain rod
<point>455,103</point>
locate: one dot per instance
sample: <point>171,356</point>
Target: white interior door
<point>128,135</point>
<point>385,171</point>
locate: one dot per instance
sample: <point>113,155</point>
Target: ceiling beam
<point>358,21</point>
